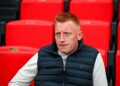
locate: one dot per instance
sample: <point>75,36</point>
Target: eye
<point>67,33</point>
<point>57,34</point>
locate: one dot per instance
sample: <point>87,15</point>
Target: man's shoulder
<point>90,52</point>
<point>89,48</point>
<point>85,47</point>
<point>44,48</point>
<point>48,48</point>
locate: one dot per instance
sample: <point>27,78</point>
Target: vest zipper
<point>63,69</point>
<point>63,73</point>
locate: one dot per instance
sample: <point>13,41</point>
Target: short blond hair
<point>66,16</point>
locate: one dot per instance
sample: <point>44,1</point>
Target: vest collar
<point>53,47</point>
<point>80,44</point>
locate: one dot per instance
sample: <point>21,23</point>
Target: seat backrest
<point>117,69</point>
<point>118,31</point>
<point>33,33</point>
<point>96,33</point>
<point>41,9</point>
<point>12,58</point>
<point>92,9</point>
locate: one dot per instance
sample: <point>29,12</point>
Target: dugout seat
<point>92,9</point>
<point>12,58</point>
<point>32,33</point>
<point>118,33</point>
<point>96,33</point>
<point>41,9</point>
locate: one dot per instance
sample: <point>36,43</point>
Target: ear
<point>80,35</point>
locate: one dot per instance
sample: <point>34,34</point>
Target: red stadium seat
<point>33,33</point>
<point>118,44</point>
<point>96,34</point>
<point>117,79</point>
<point>41,9</point>
<point>12,58</point>
<point>92,9</point>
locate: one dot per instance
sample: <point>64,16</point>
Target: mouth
<point>63,45</point>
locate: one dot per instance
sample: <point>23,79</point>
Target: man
<point>66,62</point>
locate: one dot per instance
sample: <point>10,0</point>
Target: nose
<point>62,38</point>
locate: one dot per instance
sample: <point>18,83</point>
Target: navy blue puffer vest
<point>78,70</point>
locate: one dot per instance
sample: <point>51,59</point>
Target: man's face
<point>67,35</point>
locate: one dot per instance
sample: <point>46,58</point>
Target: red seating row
<point>12,58</point>
<point>31,33</point>
<point>84,9</point>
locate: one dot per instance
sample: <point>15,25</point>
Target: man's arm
<point>26,74</point>
<point>99,74</point>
